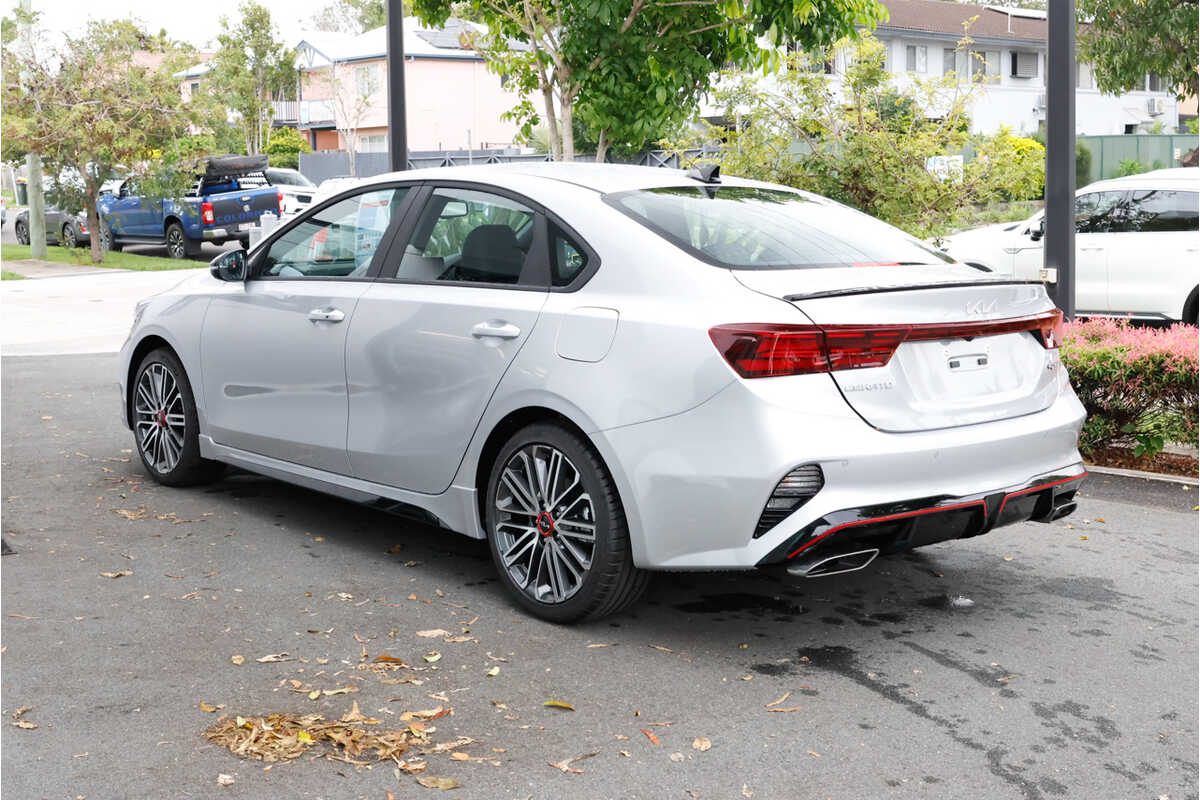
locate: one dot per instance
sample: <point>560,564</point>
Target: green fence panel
<point>1152,151</point>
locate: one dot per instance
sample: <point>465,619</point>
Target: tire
<point>165,426</point>
<point>609,582</point>
<point>177,242</point>
<point>68,236</point>
<point>1190,308</point>
<point>106,240</point>
<point>21,231</point>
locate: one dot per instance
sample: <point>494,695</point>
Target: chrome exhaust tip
<point>834,564</point>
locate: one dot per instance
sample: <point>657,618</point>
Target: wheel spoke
<point>521,491</point>
<point>525,541</point>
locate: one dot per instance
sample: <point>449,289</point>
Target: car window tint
<point>567,259</point>
<point>743,227</point>
<point>338,241</point>
<point>1158,210</point>
<point>1098,212</point>
<point>468,236</point>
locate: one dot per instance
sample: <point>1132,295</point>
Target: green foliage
<point>1193,125</point>
<point>94,108</point>
<point>354,16</point>
<point>1138,385</point>
<point>1130,166</point>
<point>633,69</point>
<point>1126,39</point>
<point>250,68</point>
<point>867,146</point>
<point>1083,164</point>
<point>285,148</point>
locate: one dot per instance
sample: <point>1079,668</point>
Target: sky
<point>197,23</point>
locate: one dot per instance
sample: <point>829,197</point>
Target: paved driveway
<point>1071,673</point>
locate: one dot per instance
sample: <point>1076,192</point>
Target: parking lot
<point>1042,661</point>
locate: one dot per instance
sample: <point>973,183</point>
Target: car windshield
<point>288,177</point>
<point>743,227</point>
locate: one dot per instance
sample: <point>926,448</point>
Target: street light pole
<point>33,163</point>
<point>397,129</point>
<point>1059,249</point>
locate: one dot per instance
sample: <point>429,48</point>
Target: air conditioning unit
<point>1156,106</point>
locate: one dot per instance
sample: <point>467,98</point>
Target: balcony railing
<point>303,112</point>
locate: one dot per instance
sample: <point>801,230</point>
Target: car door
<point>273,350</point>
<point>1094,217</point>
<point>1152,259</point>
<point>431,340</point>
<point>128,214</point>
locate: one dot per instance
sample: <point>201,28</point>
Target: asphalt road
<point>1071,675</point>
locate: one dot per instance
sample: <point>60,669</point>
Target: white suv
<point>1137,246</point>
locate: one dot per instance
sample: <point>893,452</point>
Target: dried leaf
<point>433,633</point>
<point>206,707</point>
<point>386,659</point>
<point>24,723</point>
<point>118,574</point>
<point>653,739</point>
<point>1099,519</point>
<point>304,736</point>
<point>433,657</point>
<point>314,694</point>
<point>354,715</point>
<point>430,782</point>
<point>20,712</point>
<point>273,658</point>
<point>427,714</point>
<point>559,704</point>
<point>599,645</point>
<point>773,703</point>
<point>664,649</point>
<point>565,765</point>
<point>412,767</point>
<point>238,660</point>
<point>676,757</point>
<point>784,710</point>
<point>225,780</point>
<point>493,672</point>
<point>702,744</point>
<point>343,690</point>
<point>460,756</point>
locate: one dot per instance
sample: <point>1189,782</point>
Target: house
<point>920,40</point>
<point>453,101</point>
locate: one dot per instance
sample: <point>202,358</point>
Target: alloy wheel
<point>175,243</point>
<point>69,236</point>
<point>159,418</point>
<point>545,524</point>
<point>22,233</point>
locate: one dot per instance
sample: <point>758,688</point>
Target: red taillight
<point>82,226</point>
<point>765,350</point>
<point>279,195</point>
<point>206,213</point>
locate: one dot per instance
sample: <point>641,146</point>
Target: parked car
<point>69,230</point>
<point>606,370</point>
<point>334,185</point>
<point>1137,246</point>
<point>296,189</point>
<point>225,202</point>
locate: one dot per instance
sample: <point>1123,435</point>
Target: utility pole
<point>397,127</point>
<point>1059,249</point>
<point>33,162</point>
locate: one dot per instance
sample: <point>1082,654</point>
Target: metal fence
<point>1152,151</point>
<point>319,166</point>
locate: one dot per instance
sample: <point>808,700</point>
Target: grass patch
<point>81,256</point>
<point>5,275</point>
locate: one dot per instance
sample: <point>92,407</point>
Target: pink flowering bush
<point>1139,385</point>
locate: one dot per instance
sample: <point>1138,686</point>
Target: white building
<point>921,37</point>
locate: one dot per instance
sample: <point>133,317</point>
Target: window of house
<point>1024,64</point>
<point>916,58</point>
<point>1084,79</point>
<point>366,79</point>
<point>1153,82</point>
<point>468,236</point>
<point>375,143</point>
<point>949,60</point>
<point>985,62</point>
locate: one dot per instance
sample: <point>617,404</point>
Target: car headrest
<point>494,249</point>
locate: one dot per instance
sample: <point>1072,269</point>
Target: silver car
<point>606,371</point>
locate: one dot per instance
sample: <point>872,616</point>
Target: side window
<point>338,241</point>
<point>1159,211</point>
<point>1099,212</point>
<point>567,259</point>
<point>469,236</point>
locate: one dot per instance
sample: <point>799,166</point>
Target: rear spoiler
<point>911,288</point>
<point>221,168</point>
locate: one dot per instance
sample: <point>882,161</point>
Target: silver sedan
<point>605,371</point>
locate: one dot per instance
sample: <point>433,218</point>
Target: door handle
<point>497,328</point>
<point>326,315</point>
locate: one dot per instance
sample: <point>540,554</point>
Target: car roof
<point>603,178</point>
<point>1187,178</point>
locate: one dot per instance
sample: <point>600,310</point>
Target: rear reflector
<point>767,350</point>
<point>797,488</point>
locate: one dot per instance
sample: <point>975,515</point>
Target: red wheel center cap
<point>545,524</point>
<point>162,419</point>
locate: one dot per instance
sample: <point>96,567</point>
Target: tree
<point>352,92</point>
<point>285,148</point>
<point>93,108</point>
<point>250,69</point>
<point>868,146</point>
<point>353,16</point>
<point>1127,39</point>
<point>621,61</point>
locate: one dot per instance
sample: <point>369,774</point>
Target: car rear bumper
<point>695,484</point>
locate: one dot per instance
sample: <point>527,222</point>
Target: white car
<point>606,370</point>
<point>1137,246</point>
<point>298,191</point>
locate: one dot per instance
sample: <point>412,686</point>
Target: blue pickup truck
<point>228,197</point>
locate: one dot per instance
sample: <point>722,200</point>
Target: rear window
<point>742,227</point>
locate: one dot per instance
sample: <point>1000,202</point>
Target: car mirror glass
<point>1036,232</point>
<point>454,208</point>
<point>229,266</point>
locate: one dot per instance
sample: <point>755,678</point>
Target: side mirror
<point>1036,234</point>
<point>454,209</point>
<point>229,266</point>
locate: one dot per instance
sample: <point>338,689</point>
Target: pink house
<point>453,101</point>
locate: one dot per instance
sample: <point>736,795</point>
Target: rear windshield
<point>742,227</point>
<point>288,177</point>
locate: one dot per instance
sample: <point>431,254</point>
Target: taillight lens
<point>206,213</point>
<point>767,350</point>
<point>279,195</point>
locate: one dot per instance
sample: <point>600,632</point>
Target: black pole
<point>1059,239</point>
<point>397,130</point>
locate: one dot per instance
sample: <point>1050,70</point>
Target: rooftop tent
<point>226,167</point>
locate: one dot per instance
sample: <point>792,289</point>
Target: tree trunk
<point>93,222</point>
<point>602,146</point>
<point>568,130</point>
<point>552,122</point>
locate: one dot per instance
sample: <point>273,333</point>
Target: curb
<point>1137,473</point>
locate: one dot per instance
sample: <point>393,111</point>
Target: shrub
<point>1138,385</point>
<point>285,148</point>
